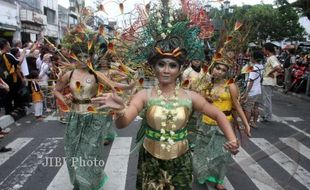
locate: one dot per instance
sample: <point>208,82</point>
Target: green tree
<point>265,21</point>
<point>288,25</point>
<point>302,6</point>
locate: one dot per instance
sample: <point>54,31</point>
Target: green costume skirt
<point>210,159</point>
<point>192,129</point>
<point>84,138</point>
<point>156,174</point>
<point>111,134</point>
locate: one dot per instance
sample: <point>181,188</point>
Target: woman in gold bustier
<point>164,158</point>
<point>88,126</point>
<point>209,159</point>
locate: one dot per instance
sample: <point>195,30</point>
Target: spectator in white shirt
<point>272,66</point>
<point>252,94</point>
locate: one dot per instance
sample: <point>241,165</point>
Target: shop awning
<point>7,27</point>
<point>31,31</point>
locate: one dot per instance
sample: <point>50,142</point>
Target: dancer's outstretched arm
<point>124,114</point>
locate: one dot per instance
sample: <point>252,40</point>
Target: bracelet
<point>233,141</point>
<point>120,113</point>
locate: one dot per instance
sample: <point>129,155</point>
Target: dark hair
<point>215,63</point>
<point>3,43</point>
<point>292,51</point>
<point>269,47</point>
<point>164,49</point>
<point>55,57</point>
<point>17,43</point>
<point>258,55</point>
<point>14,51</point>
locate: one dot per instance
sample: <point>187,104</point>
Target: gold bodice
<point>155,116</point>
<point>83,89</point>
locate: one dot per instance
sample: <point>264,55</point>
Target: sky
<point>130,3</point>
<point>114,13</point>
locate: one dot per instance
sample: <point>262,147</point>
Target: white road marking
<point>299,147</point>
<point>256,173</point>
<point>61,180</point>
<point>18,177</point>
<point>117,163</point>
<point>16,146</point>
<point>294,119</point>
<point>52,117</point>
<point>227,184</point>
<point>116,168</point>
<point>289,165</point>
<point>291,126</point>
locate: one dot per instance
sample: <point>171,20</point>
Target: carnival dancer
<point>210,161</point>
<point>164,158</point>
<point>87,127</point>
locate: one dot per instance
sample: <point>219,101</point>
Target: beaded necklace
<point>165,98</point>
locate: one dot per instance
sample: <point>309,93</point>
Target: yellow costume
<point>222,100</point>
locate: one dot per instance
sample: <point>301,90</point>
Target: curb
<point>293,94</point>
<point>5,121</point>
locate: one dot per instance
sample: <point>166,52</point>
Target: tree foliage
<point>302,6</point>
<point>265,21</point>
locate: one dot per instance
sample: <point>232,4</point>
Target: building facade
<point>32,20</point>
<point>50,10</point>
<point>9,20</point>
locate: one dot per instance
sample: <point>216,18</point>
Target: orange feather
<point>237,25</point>
<point>73,56</point>
<point>110,46</point>
<point>91,109</point>
<point>78,86</point>
<point>62,106</point>
<point>141,81</point>
<point>89,44</point>
<point>185,83</point>
<point>230,81</point>
<point>100,89</point>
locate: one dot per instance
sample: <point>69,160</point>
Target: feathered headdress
<point>161,23</point>
<point>229,46</point>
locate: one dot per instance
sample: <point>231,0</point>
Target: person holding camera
<point>44,76</point>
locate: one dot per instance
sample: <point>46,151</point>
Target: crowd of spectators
<point>27,76</point>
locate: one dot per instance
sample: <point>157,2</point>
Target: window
<point>72,20</point>
<point>50,15</point>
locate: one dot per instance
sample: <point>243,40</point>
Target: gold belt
<point>82,101</point>
<point>155,148</point>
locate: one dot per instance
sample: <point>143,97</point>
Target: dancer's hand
<point>232,146</point>
<point>247,130</point>
<point>109,100</point>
